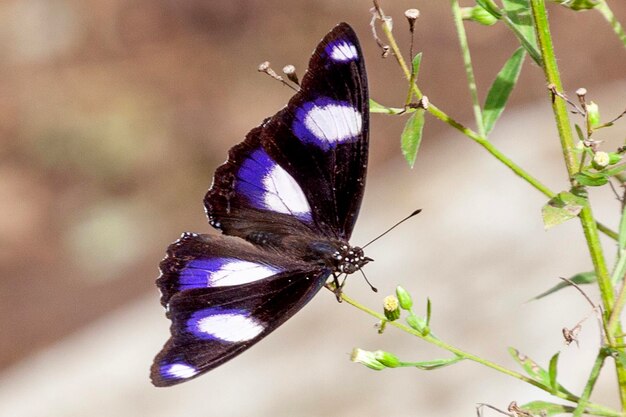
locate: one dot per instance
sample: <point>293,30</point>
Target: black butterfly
<point>287,200</point>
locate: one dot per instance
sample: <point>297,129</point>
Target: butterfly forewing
<point>223,295</point>
<point>307,162</point>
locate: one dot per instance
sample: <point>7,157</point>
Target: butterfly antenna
<point>368,281</point>
<point>391,228</point>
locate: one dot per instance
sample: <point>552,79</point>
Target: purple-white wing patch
<point>220,272</point>
<point>326,123</point>
<point>269,187</point>
<point>342,51</point>
<point>177,370</point>
<point>233,326</point>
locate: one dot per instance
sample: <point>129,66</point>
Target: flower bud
<point>600,160</point>
<point>412,15</point>
<point>290,72</point>
<point>388,359</point>
<point>366,358</point>
<point>404,298</point>
<point>614,158</point>
<point>593,114</point>
<point>391,308</point>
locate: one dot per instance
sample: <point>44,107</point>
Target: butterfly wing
<point>304,168</point>
<point>223,295</point>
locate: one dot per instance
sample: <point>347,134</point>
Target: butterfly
<point>286,201</point>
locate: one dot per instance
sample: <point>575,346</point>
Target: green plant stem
<point>591,407</point>
<point>467,62</point>
<point>605,10</point>
<point>617,308</point>
<point>487,145</point>
<point>591,382</point>
<point>566,137</point>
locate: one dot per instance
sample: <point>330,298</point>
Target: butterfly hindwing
<point>308,161</point>
<point>223,295</point>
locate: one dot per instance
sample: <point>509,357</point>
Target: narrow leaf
<point>537,372</point>
<point>436,364</point>
<point>544,408</point>
<point>417,60</point>
<point>491,7</point>
<point>531,367</point>
<point>520,22</point>
<point>615,170</point>
<point>592,179</point>
<point>579,279</point>
<point>428,311</point>
<point>579,132</point>
<point>501,89</point>
<point>412,136</point>
<point>560,208</point>
<point>620,357</point>
<point>376,107</point>
<point>552,369</point>
<point>622,230</point>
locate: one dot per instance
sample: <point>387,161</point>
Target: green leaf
<point>544,408</point>
<point>561,208</point>
<point>537,372</point>
<point>435,364</point>
<point>592,179</point>
<point>412,136</point>
<point>491,7</point>
<point>579,132</point>
<point>417,60</point>
<point>376,107</point>
<point>619,356</point>
<point>579,279</point>
<point>622,230</point>
<point>519,20</point>
<point>531,367</point>
<point>552,370</point>
<point>501,89</point>
<point>579,4</point>
<point>615,170</point>
<point>428,311</point>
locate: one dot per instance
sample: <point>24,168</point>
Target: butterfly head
<point>350,259</point>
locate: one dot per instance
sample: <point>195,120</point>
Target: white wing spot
<point>240,272</point>
<point>283,194</point>
<point>179,370</point>
<point>343,51</point>
<point>230,327</point>
<point>334,122</point>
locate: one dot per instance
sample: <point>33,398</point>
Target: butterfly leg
<point>337,287</point>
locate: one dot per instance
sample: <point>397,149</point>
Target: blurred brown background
<point>113,116</point>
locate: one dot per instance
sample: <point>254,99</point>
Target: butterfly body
<point>286,201</point>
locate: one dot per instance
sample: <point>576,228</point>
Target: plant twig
<point>591,407</point>
<point>467,63</point>
<point>544,40</point>
<point>441,115</point>
<point>591,382</point>
<point>605,10</point>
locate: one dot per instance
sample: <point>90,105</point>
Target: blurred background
<point>113,117</point>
